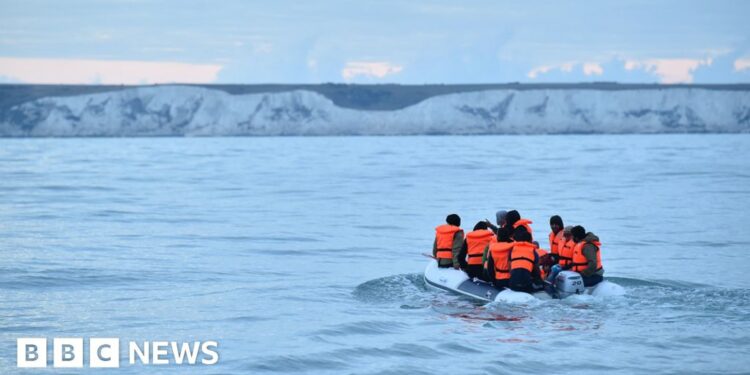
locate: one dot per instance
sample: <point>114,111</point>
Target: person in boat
<point>555,237</point>
<point>564,253</point>
<point>545,260</point>
<point>497,264</point>
<point>449,239</point>
<point>471,256</point>
<point>565,248</point>
<point>499,219</point>
<point>587,256</point>
<point>524,262</point>
<point>513,220</point>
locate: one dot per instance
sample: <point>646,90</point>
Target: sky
<point>388,41</point>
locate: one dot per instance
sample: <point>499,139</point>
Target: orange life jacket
<point>524,223</point>
<point>565,252</point>
<point>580,262</point>
<point>500,252</point>
<point>444,240</point>
<point>522,256</point>
<point>476,242</point>
<point>540,253</point>
<point>554,241</point>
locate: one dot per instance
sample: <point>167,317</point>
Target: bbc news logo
<point>105,352</point>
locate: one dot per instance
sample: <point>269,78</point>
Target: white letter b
<point>31,353</point>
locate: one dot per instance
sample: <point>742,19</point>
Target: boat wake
<point>411,291</point>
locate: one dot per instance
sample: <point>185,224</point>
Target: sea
<point>304,254</point>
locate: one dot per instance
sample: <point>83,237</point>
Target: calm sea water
<point>302,255</point>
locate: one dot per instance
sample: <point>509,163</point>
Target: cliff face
<point>197,111</point>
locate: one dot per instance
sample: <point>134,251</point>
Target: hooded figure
<point>524,262</point>
<point>565,248</point>
<point>513,220</point>
<point>511,217</point>
<point>499,219</point>
<point>449,239</point>
<point>472,252</point>
<point>556,223</point>
<point>564,254</point>
<point>556,236</point>
<point>587,256</point>
<point>497,259</point>
<point>453,219</point>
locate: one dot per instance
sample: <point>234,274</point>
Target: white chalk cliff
<point>195,111</point>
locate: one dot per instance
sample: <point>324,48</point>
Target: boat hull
<point>458,281</point>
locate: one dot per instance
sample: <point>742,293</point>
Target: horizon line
<point>516,83</point>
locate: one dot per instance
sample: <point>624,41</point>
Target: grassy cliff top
<point>365,97</point>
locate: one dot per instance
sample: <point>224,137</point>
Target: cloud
<point>79,71</point>
<point>533,73</point>
<point>567,67</point>
<point>588,68</point>
<point>544,69</point>
<point>741,64</point>
<point>369,69</point>
<point>669,70</point>
<point>592,69</point>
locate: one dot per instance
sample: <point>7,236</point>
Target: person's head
<point>511,217</point>
<point>546,261</point>
<point>566,233</point>
<point>521,235</point>
<point>480,226</point>
<point>500,217</point>
<point>578,233</point>
<point>503,235</point>
<point>556,224</point>
<point>453,219</point>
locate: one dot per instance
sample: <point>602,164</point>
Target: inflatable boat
<point>567,283</point>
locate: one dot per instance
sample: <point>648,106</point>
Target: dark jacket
<point>589,251</point>
<point>522,280</point>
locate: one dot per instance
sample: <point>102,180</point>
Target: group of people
<point>507,256</point>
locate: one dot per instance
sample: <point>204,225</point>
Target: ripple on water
<point>26,328</point>
<point>340,359</point>
<point>291,364</point>
<point>454,347</point>
<point>363,328</point>
<point>248,318</point>
<point>63,278</point>
<point>405,289</point>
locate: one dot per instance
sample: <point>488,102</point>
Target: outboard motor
<point>568,283</point>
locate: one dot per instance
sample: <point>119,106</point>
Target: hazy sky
<point>133,41</point>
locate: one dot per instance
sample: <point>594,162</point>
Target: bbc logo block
<point>67,352</point>
<point>31,352</point>
<point>104,353</point>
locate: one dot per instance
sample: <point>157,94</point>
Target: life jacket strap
<point>444,253</point>
<point>522,258</point>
